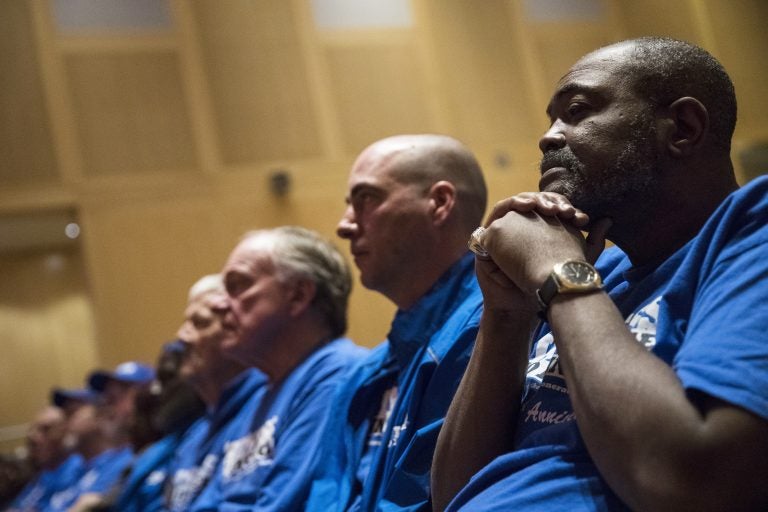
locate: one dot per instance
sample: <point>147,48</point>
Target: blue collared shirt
<point>379,444</point>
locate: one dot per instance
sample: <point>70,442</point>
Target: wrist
<point>569,277</point>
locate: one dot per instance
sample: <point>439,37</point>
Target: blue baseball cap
<point>60,396</point>
<point>131,372</point>
<point>175,346</point>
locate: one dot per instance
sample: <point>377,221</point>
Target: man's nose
<point>554,138</point>
<point>185,332</point>
<point>347,226</point>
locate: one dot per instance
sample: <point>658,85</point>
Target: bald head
<point>413,201</point>
<point>425,159</point>
<point>660,69</point>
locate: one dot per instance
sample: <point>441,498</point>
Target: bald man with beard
<point>646,386</point>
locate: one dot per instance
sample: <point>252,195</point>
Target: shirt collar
<point>412,329</point>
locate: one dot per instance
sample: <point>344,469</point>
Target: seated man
<point>287,301</point>
<point>118,390</point>
<point>106,457</point>
<point>230,391</point>
<point>650,391</point>
<point>70,400</point>
<point>164,413</point>
<point>56,467</point>
<point>413,202</point>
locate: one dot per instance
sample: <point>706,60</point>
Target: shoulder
<point>336,355</point>
<point>738,226</point>
<point>745,209</point>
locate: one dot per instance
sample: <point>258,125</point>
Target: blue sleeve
<point>725,350</point>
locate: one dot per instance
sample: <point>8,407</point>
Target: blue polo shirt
<point>379,443</point>
<point>99,475</point>
<point>38,491</point>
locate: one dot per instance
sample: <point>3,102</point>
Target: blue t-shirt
<point>270,468</point>
<point>143,489</point>
<point>381,437</point>
<point>38,492</point>
<point>200,452</point>
<point>701,312</point>
<point>99,475</point>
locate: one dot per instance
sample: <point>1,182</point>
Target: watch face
<point>578,274</point>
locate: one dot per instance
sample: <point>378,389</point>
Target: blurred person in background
<point>16,471</point>
<point>70,400</point>
<point>164,412</point>
<point>93,432</point>
<point>55,468</point>
<point>119,388</point>
<point>229,390</point>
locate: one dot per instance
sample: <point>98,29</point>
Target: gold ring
<point>475,244</point>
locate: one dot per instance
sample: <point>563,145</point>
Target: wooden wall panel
<point>257,78</point>
<point>47,324</point>
<point>26,149</point>
<point>741,39</point>
<point>379,89</point>
<point>130,112</point>
<point>475,45</point>
<point>559,46</point>
<point>659,18</point>
<point>143,255</point>
<point>519,172</point>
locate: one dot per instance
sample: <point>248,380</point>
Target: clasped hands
<point>524,237</point>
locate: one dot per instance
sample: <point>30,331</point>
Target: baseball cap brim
<point>130,372</point>
<point>60,396</point>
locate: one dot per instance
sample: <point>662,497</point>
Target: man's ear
<point>442,199</point>
<point>302,294</point>
<point>689,126</point>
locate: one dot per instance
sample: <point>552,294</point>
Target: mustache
<point>562,157</point>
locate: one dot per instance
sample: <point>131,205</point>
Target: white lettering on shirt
<point>244,455</point>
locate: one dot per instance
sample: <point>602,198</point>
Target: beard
<point>630,183</point>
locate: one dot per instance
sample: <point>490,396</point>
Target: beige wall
<point>164,141</point>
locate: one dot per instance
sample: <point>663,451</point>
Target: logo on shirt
<point>188,482</point>
<point>643,323</point>
<point>156,477</point>
<point>397,430</point>
<point>547,391</point>
<point>381,420</point>
<point>88,479</point>
<point>244,455</point>
<point>61,498</point>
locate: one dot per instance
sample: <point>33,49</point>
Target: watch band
<point>547,292</point>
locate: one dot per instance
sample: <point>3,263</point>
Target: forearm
<point>654,447</point>
<point>480,422</point>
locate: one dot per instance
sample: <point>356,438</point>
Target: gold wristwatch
<point>571,276</point>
